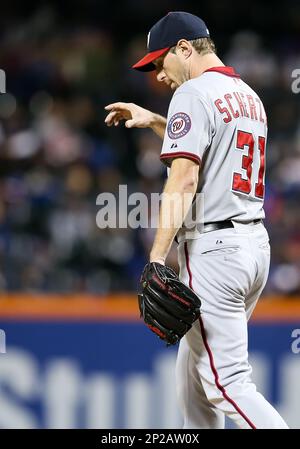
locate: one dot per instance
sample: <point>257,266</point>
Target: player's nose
<point>161,76</point>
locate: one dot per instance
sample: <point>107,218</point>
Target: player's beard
<point>185,74</point>
<point>180,79</point>
<point>189,71</point>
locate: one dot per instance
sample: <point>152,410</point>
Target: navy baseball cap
<point>167,32</point>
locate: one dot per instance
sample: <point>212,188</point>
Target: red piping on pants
<point>209,352</point>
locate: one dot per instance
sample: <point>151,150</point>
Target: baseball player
<point>214,143</point>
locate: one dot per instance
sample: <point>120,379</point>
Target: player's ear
<point>185,48</point>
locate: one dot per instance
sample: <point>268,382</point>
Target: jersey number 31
<point>239,184</point>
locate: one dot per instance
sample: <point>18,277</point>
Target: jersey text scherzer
<point>218,121</point>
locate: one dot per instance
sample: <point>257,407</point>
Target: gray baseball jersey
<point>218,121</point>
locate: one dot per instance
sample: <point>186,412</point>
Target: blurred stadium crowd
<point>57,155</point>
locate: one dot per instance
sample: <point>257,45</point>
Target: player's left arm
<point>177,198</point>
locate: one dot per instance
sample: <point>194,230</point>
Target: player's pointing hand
<point>134,116</point>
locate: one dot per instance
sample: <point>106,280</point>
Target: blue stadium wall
<point>114,373</point>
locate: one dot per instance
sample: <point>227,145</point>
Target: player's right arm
<point>135,117</point>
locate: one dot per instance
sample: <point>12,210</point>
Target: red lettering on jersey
<point>223,110</point>
<point>245,106</point>
<point>228,97</point>
<point>252,107</point>
<point>241,104</point>
<point>261,111</point>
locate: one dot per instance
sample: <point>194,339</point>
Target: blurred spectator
<point>57,155</point>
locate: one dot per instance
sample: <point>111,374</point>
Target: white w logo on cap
<point>148,39</point>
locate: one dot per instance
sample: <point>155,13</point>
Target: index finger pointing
<point>111,106</point>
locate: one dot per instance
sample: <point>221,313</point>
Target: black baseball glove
<point>167,305</point>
